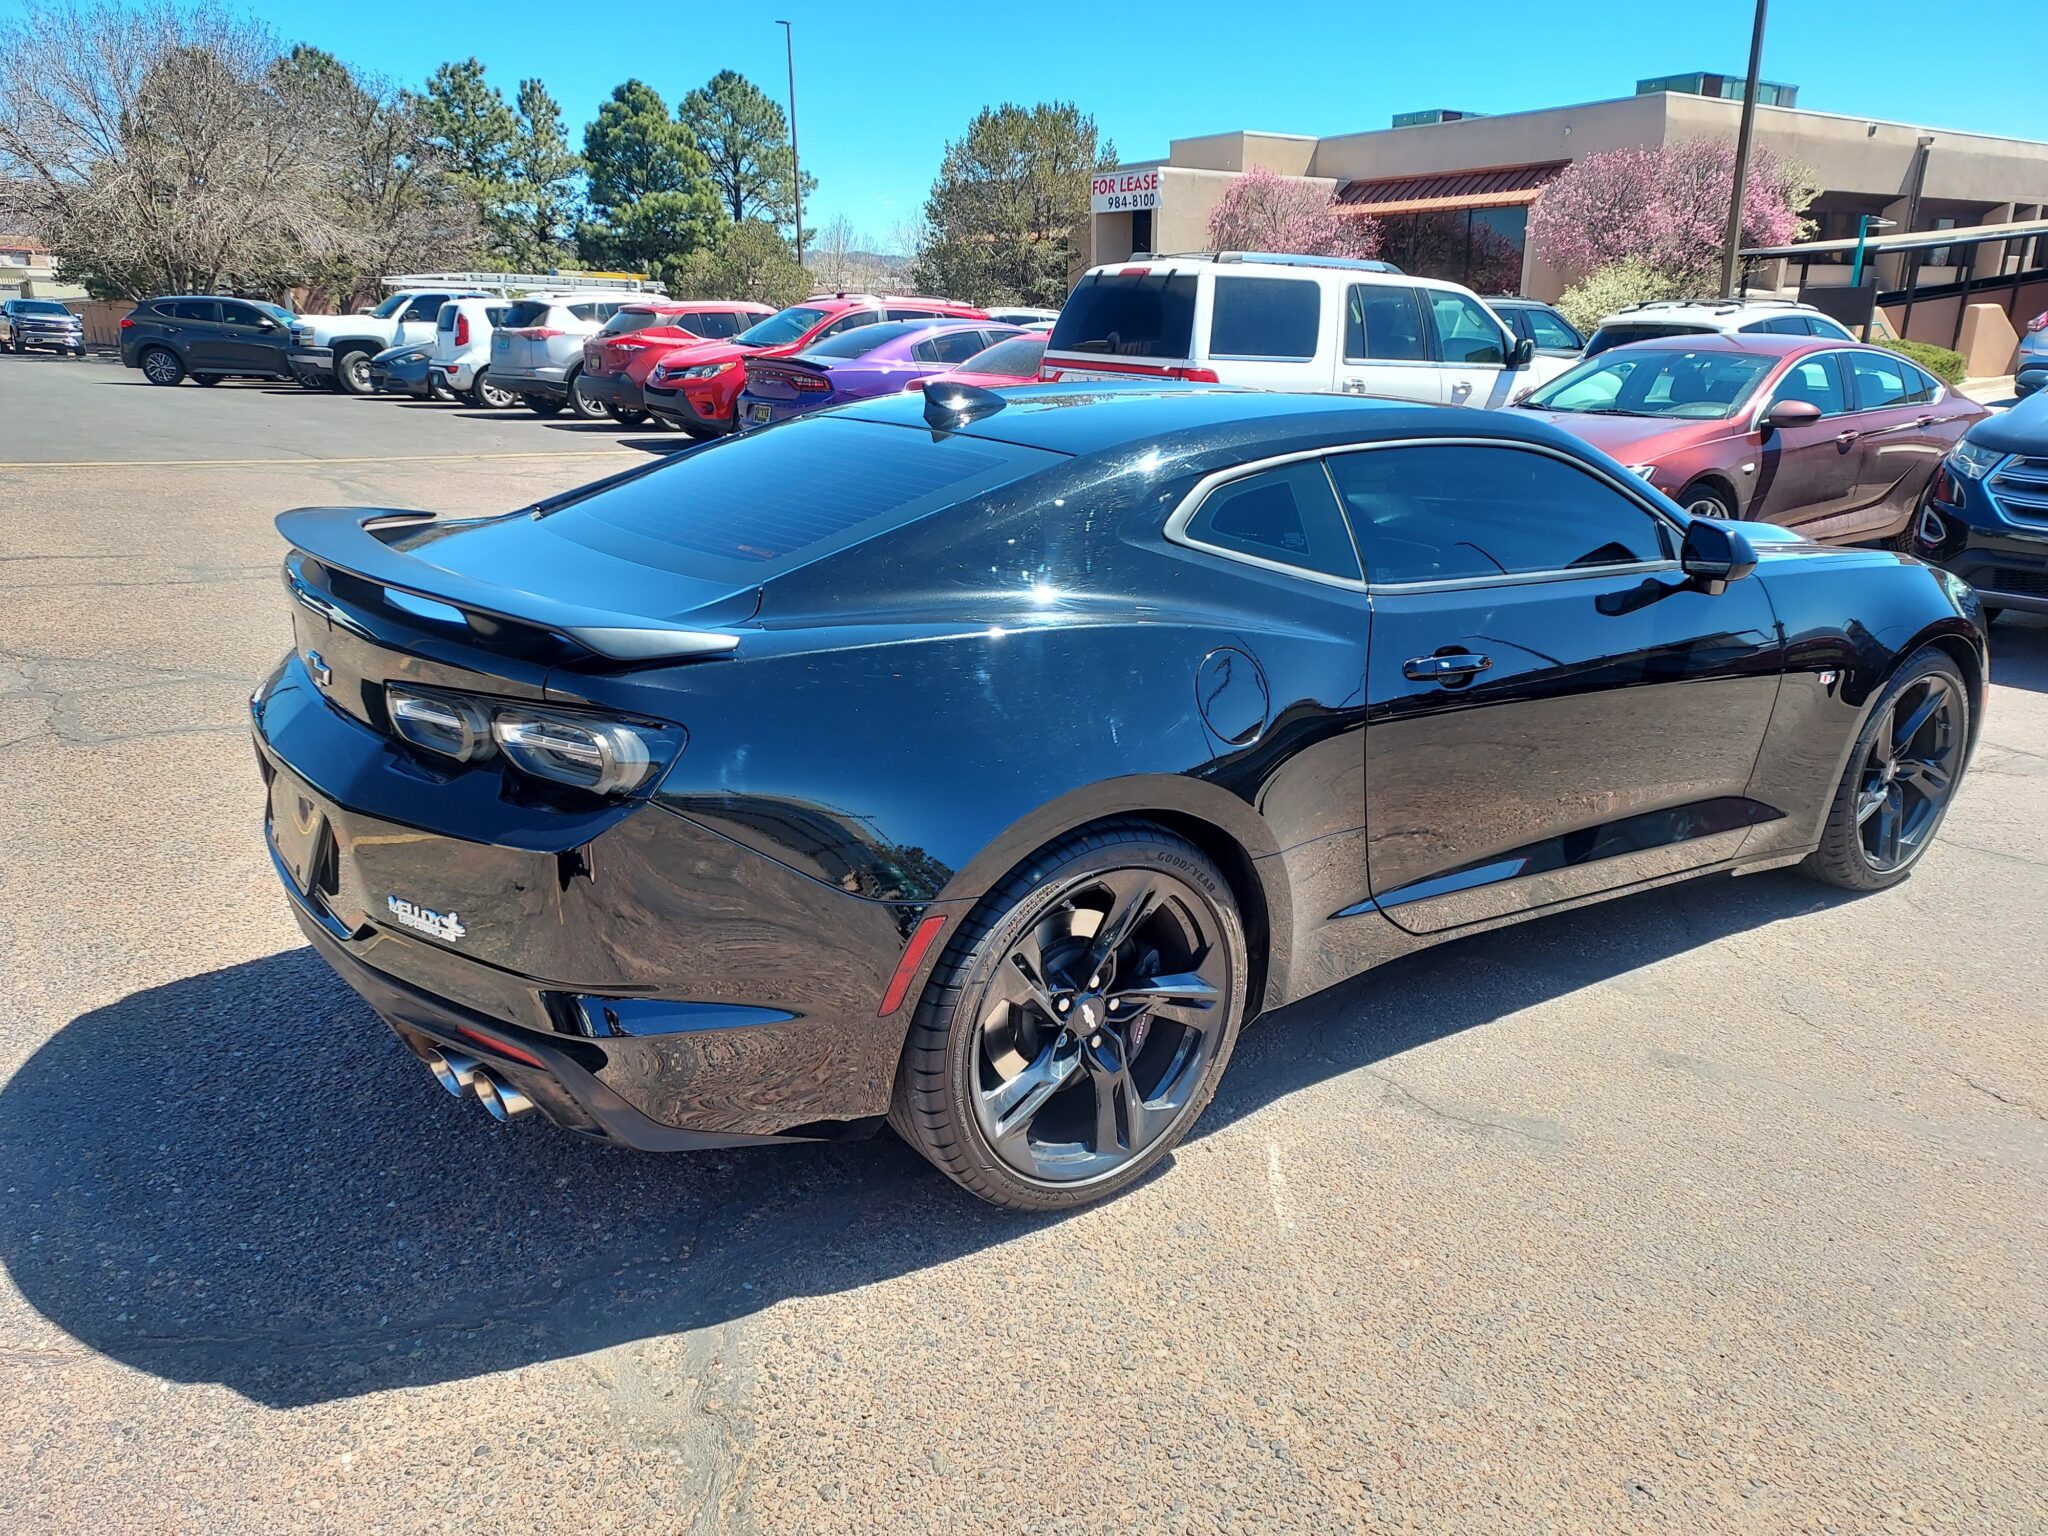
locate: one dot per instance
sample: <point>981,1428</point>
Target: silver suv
<point>537,349</point>
<point>1659,318</point>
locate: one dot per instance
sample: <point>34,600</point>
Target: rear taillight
<point>461,329</point>
<point>591,752</point>
<point>1194,375</point>
<point>809,383</point>
<point>126,321</point>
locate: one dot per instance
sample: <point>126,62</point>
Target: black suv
<point>35,323</point>
<point>209,338</point>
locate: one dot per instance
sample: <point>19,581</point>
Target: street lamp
<point>1742,135</point>
<point>1864,226</point>
<point>796,170</point>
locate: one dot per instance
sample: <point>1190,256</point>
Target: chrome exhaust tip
<point>453,1071</point>
<point>501,1101</point>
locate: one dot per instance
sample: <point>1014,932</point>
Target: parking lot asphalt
<point>1722,1208</point>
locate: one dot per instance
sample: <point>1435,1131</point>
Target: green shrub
<point>1944,364</point>
<point>1616,286</point>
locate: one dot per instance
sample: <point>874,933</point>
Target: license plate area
<point>759,414</point>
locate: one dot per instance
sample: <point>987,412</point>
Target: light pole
<point>796,170</point>
<point>1864,226</point>
<point>1742,134</point>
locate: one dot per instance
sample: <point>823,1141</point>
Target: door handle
<point>1846,438</point>
<point>1354,386</point>
<point>1454,668</point>
<point>1461,387</point>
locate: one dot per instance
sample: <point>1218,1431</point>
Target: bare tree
<point>161,149</point>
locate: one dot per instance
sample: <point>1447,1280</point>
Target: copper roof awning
<point>1500,186</point>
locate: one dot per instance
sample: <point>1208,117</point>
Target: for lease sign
<point>1126,191</point>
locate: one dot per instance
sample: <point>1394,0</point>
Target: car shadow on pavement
<point>2019,651</point>
<point>241,1177</point>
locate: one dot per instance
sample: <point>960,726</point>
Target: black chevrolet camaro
<point>985,761</point>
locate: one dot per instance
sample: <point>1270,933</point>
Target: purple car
<point>860,364</point>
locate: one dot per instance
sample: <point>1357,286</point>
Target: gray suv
<point>45,323</point>
<point>537,349</point>
<point>206,337</point>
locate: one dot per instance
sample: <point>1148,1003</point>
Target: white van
<point>1311,324</point>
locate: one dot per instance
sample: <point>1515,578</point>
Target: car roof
<point>1100,418</point>
<point>1762,343</point>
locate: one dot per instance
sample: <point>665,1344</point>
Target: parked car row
<point>1765,410</point>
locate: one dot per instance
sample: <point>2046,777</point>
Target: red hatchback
<point>697,387</point>
<point>1832,438</point>
<point>617,360</point>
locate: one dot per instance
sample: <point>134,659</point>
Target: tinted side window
<point>194,309</point>
<point>1383,324</point>
<point>239,314</point>
<point>426,307</point>
<point>847,322</point>
<point>1817,379</point>
<point>1458,511</point>
<point>953,347</point>
<point>901,313</point>
<point>1286,515</point>
<point>1880,380</point>
<point>1549,330</point>
<point>1265,317</point>
<point>585,311</point>
<point>1465,332</point>
<point>716,324</point>
<point>1921,386</point>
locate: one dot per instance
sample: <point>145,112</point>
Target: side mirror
<point>1792,413</point>
<point>1715,554</point>
<point>1521,353</point>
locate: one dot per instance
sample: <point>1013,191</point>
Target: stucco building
<point>1453,189</point>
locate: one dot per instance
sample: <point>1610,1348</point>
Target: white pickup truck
<point>334,351</point>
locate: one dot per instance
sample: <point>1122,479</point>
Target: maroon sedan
<point>1832,438</point>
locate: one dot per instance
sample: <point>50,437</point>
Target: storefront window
<point>1479,247</point>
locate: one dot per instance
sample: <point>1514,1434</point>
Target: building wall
<point>1862,164</point>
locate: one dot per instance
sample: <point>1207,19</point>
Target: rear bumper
<point>544,384</point>
<point>458,375</point>
<point>614,389</point>
<point>756,412</point>
<point>677,989</point>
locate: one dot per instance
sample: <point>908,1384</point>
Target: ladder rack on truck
<point>529,282</point>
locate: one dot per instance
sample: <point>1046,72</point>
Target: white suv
<point>1707,317</point>
<point>462,350</point>
<point>1304,323</point>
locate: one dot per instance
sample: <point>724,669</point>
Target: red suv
<point>697,387</point>
<point>617,359</point>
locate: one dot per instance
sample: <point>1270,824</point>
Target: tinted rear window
<point>1151,315</point>
<point>626,321</point>
<point>749,503</point>
<point>862,340</point>
<point>1019,356</point>
<point>1615,335</point>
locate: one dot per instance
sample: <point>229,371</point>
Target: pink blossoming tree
<point>1665,208</point>
<point>1262,211</point>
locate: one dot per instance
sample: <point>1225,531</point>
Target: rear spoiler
<point>356,542</point>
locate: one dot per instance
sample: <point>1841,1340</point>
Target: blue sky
<point>880,90</point>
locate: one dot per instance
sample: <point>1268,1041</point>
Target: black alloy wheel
<point>1902,776</point>
<point>626,415</point>
<point>160,365</point>
<point>1080,1020</point>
